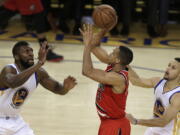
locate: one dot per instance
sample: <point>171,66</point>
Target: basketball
<point>104,16</point>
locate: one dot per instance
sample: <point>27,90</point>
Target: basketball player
<point>166,119</point>
<point>19,80</point>
<point>113,83</point>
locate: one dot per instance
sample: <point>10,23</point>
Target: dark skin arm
<point>54,86</point>
<point>9,77</point>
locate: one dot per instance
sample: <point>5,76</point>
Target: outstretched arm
<point>169,114</point>
<point>135,79</point>
<point>54,86</point>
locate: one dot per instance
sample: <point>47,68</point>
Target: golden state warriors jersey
<point>12,99</point>
<point>162,101</point>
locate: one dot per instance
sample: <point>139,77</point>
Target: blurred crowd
<point>68,15</point>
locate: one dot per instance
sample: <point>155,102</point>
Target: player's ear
<point>118,60</point>
<point>16,57</point>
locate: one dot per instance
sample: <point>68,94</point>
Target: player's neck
<point>171,84</point>
<point>118,67</point>
<point>19,66</point>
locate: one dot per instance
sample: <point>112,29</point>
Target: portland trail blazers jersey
<point>162,101</point>
<point>109,104</point>
<point>12,99</point>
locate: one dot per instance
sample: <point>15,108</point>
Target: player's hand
<point>90,37</point>
<point>131,119</point>
<point>43,52</point>
<point>97,37</point>
<point>69,83</point>
<point>87,33</point>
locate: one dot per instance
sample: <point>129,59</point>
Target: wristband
<point>135,122</point>
<point>40,62</point>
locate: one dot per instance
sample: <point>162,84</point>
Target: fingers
<point>44,44</point>
<point>44,47</point>
<point>86,28</point>
<point>81,31</point>
<point>71,78</point>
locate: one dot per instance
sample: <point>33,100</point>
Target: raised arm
<point>169,114</point>
<point>98,75</point>
<point>54,86</point>
<point>136,80</point>
<point>97,50</point>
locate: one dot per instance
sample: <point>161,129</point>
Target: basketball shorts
<point>115,127</point>
<point>155,131</point>
<point>14,126</point>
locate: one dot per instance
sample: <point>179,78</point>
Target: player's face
<point>26,56</point>
<point>172,71</point>
<point>115,55</point>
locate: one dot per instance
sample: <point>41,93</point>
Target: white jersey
<point>162,101</point>
<point>12,99</point>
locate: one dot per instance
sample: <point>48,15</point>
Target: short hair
<point>125,55</point>
<point>177,59</point>
<point>17,46</point>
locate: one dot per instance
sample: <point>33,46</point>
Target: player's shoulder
<point>174,99</point>
<point>41,72</point>
<point>119,76</point>
<point>9,69</point>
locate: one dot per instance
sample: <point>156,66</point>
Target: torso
<point>162,101</point>
<point>108,103</point>
<point>12,99</point>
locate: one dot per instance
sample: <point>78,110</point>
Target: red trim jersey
<point>109,104</point>
<point>25,7</point>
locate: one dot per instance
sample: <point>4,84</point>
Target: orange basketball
<point>104,16</point>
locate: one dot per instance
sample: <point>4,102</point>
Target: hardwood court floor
<point>75,113</point>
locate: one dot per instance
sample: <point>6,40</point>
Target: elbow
<point>86,73</point>
<point>62,93</point>
<point>83,73</point>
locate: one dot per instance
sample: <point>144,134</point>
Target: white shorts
<point>154,131</point>
<point>14,126</point>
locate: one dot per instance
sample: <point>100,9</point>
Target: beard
<point>26,64</point>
